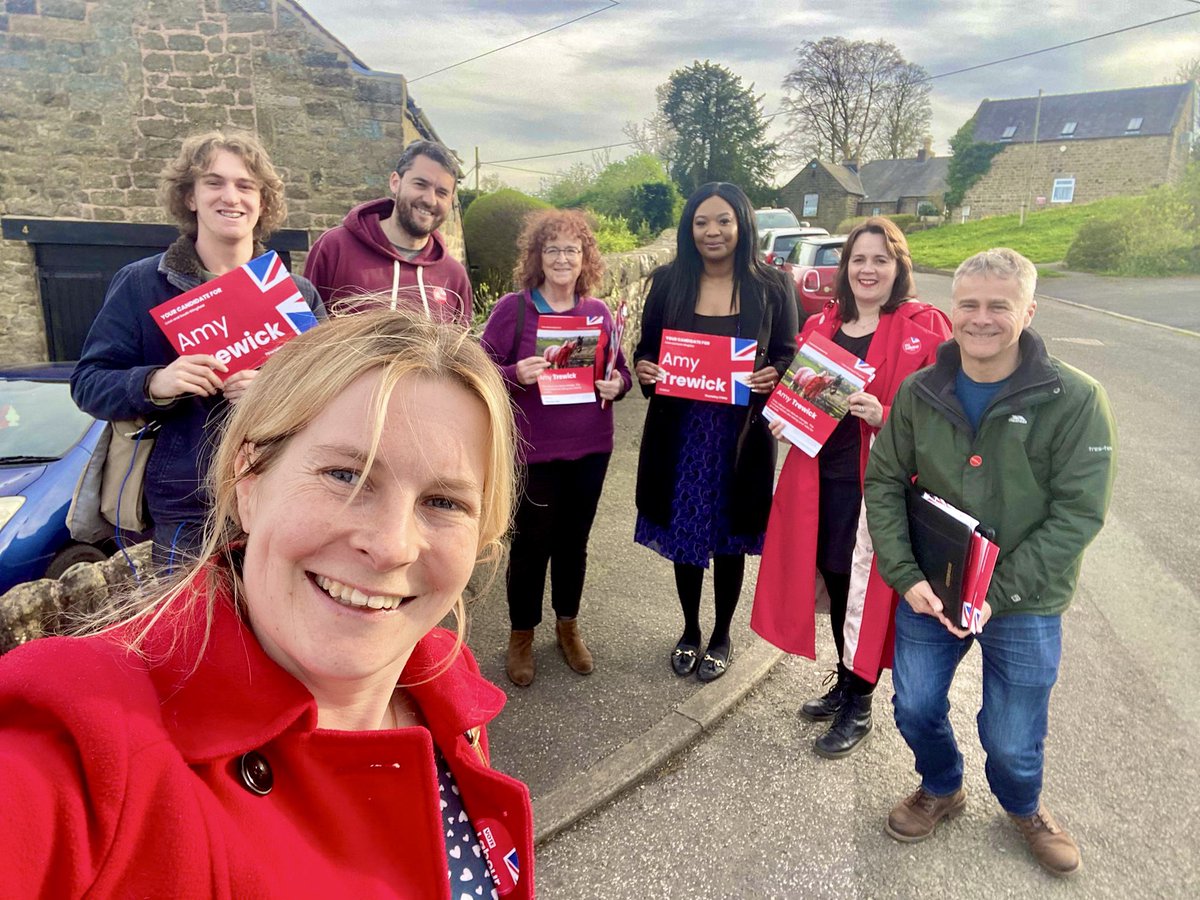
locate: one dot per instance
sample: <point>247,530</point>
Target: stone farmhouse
<point>825,193</point>
<point>1076,148</point>
<point>97,96</point>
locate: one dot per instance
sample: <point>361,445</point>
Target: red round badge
<point>912,345</point>
<point>976,461</point>
<point>500,851</point>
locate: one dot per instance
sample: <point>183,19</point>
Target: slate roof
<point>847,179</point>
<point>887,180</point>
<point>1097,114</point>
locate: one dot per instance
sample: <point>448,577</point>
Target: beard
<point>406,217</point>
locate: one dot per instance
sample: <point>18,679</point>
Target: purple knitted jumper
<point>550,432</point>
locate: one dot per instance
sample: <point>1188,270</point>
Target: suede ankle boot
<point>850,727</point>
<point>520,657</point>
<point>574,650</point>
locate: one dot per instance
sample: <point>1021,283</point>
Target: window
<point>1064,190</point>
<point>874,210</point>
<point>1135,124</point>
<point>1008,133</point>
<point>810,205</point>
<point>1068,129</point>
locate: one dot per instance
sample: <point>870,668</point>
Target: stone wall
<point>97,96</point>
<point>1106,167</point>
<point>625,279</point>
<point>834,203</point>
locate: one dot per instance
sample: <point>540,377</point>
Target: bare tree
<point>849,99</point>
<point>905,114</point>
<point>1189,70</point>
<point>654,135</point>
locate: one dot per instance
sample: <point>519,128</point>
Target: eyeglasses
<point>568,252</point>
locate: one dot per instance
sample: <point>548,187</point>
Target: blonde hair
<point>180,174</point>
<point>303,378</point>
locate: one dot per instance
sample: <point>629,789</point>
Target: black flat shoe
<point>684,658</point>
<point>715,663</point>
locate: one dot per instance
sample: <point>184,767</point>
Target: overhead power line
<point>1094,37</point>
<point>985,65</point>
<point>594,12</point>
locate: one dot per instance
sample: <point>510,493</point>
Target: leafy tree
<point>851,99</point>
<point>720,134</point>
<point>971,161</point>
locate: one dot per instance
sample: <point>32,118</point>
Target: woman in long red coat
<point>287,720</point>
<point>817,520</point>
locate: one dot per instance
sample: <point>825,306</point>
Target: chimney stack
<point>926,152</point>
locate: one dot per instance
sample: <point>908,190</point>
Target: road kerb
<point>676,731</point>
<point>1125,316</point>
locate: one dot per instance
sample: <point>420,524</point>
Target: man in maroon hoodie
<point>391,246</point>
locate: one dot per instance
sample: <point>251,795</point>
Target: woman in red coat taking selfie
<point>286,719</point>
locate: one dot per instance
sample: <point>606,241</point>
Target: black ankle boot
<point>825,707</point>
<point>849,728</point>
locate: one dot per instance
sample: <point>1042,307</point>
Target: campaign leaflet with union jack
<point>810,400</point>
<point>705,367</point>
<point>241,317</point>
<point>574,347</point>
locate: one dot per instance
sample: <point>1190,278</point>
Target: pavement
<point>746,809</point>
<point>579,741</point>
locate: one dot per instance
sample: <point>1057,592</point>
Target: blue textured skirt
<point>701,521</point>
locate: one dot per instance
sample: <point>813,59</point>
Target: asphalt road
<point>752,812</point>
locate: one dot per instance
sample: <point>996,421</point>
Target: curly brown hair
<point>180,174</point>
<point>541,228</point>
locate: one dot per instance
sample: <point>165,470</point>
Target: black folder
<point>941,545</point>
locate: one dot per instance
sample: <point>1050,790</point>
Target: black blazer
<point>767,312</point>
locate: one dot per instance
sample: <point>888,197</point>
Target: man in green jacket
<point>1024,443</point>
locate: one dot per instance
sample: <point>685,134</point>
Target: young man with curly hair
<point>226,197</point>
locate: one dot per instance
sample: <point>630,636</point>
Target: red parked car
<point>812,264</point>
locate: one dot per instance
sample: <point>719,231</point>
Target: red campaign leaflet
<point>241,318</point>
<point>574,346</point>
<point>706,367</point>
<point>812,397</point>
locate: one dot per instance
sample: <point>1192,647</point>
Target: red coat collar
<point>237,698</point>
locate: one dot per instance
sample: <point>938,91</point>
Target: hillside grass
<point>1044,238</point>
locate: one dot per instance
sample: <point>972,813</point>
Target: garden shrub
<point>490,228</point>
<point>1100,246</point>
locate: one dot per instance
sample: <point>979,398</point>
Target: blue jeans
<point>1021,654</point>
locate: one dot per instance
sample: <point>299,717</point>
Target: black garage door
<point>76,261</point>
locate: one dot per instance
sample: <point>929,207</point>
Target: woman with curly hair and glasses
<point>566,447</point>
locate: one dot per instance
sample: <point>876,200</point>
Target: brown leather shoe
<point>915,817</point>
<point>573,648</point>
<point>1054,849</point>
<point>520,657</point>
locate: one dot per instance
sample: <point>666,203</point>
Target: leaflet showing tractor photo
<point>812,397</point>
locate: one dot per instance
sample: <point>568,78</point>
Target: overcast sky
<point>575,87</point>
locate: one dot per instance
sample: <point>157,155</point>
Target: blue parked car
<point>45,442</point>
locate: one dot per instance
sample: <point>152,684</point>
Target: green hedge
<point>490,229</point>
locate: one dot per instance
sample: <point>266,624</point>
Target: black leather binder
<point>941,546</point>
